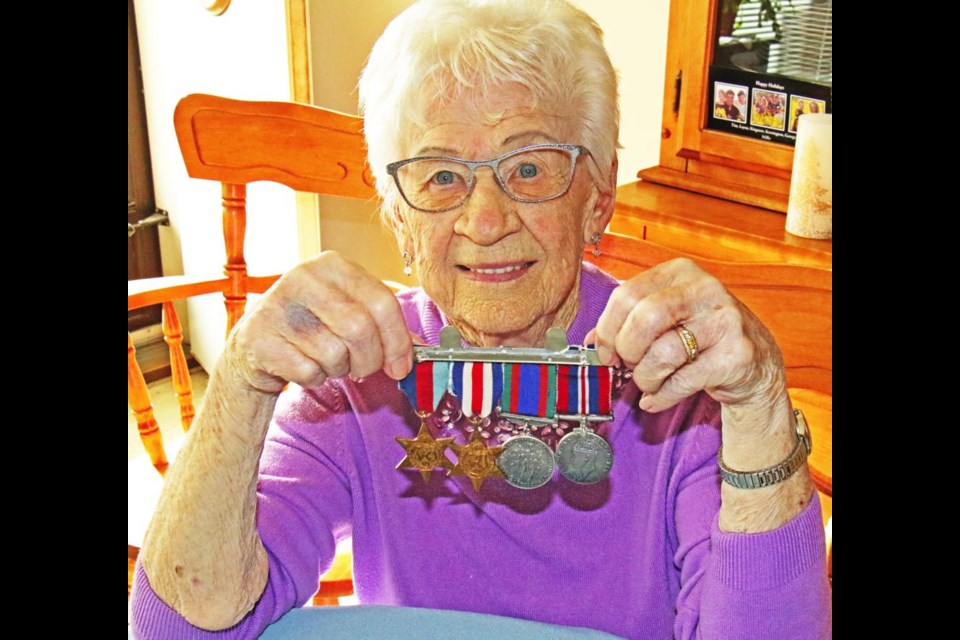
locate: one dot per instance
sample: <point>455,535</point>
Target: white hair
<point>437,51</point>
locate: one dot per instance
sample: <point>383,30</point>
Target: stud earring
<point>595,241</point>
<point>407,261</point>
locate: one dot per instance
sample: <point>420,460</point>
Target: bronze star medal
<point>477,460</point>
<point>424,452</point>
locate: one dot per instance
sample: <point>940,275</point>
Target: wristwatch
<point>777,473</point>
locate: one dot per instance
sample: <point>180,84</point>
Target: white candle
<point>810,207</point>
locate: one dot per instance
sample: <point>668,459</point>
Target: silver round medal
<point>526,462</point>
<point>584,457</point>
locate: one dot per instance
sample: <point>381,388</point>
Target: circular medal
<point>526,462</point>
<point>584,457</point>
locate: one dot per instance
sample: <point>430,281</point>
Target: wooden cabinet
<point>692,157</point>
<point>709,227</point>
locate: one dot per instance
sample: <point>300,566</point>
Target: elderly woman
<point>492,132</point>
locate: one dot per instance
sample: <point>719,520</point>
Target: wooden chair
<point>796,304</point>
<point>236,142</point>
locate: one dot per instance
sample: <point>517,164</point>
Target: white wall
<point>342,33</point>
<point>636,37</point>
<point>240,54</point>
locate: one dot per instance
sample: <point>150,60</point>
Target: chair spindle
<point>139,399</point>
<point>179,372</point>
<point>234,232</point>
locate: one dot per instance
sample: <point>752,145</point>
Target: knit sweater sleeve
<point>303,509</point>
<point>738,586</point>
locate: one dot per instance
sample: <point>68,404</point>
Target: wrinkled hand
<point>326,317</point>
<point>739,363</point>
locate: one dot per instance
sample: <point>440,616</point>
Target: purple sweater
<point>639,556</point>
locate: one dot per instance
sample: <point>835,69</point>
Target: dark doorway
<point>143,247</point>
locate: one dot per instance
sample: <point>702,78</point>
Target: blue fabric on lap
<point>375,622</point>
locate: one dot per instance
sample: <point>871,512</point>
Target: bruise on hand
<point>302,320</point>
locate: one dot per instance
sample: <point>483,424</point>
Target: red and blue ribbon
<point>425,385</point>
<point>530,389</point>
<point>584,390</point>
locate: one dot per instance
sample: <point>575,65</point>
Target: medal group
<point>540,403</point>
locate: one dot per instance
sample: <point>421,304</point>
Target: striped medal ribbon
<point>479,386</point>
<point>584,390</point>
<point>425,385</point>
<point>530,389</point>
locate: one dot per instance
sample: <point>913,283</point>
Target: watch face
<point>803,430</point>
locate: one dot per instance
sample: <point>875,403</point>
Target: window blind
<point>803,49</point>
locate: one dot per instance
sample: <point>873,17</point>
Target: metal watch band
<point>777,473</point>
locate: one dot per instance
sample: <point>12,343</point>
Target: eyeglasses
<point>536,173</point>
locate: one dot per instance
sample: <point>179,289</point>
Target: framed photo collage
<point>761,105</point>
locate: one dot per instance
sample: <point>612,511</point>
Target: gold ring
<point>689,342</point>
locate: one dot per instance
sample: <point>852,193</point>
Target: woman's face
<point>502,271</point>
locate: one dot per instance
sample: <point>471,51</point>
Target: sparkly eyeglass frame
<point>574,149</point>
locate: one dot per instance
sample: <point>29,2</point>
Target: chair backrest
<point>236,142</point>
<point>794,301</point>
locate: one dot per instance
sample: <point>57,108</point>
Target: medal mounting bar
<point>556,351</point>
<point>540,420</point>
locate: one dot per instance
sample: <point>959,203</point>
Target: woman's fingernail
<point>398,367</point>
<point>604,354</point>
<point>590,339</point>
